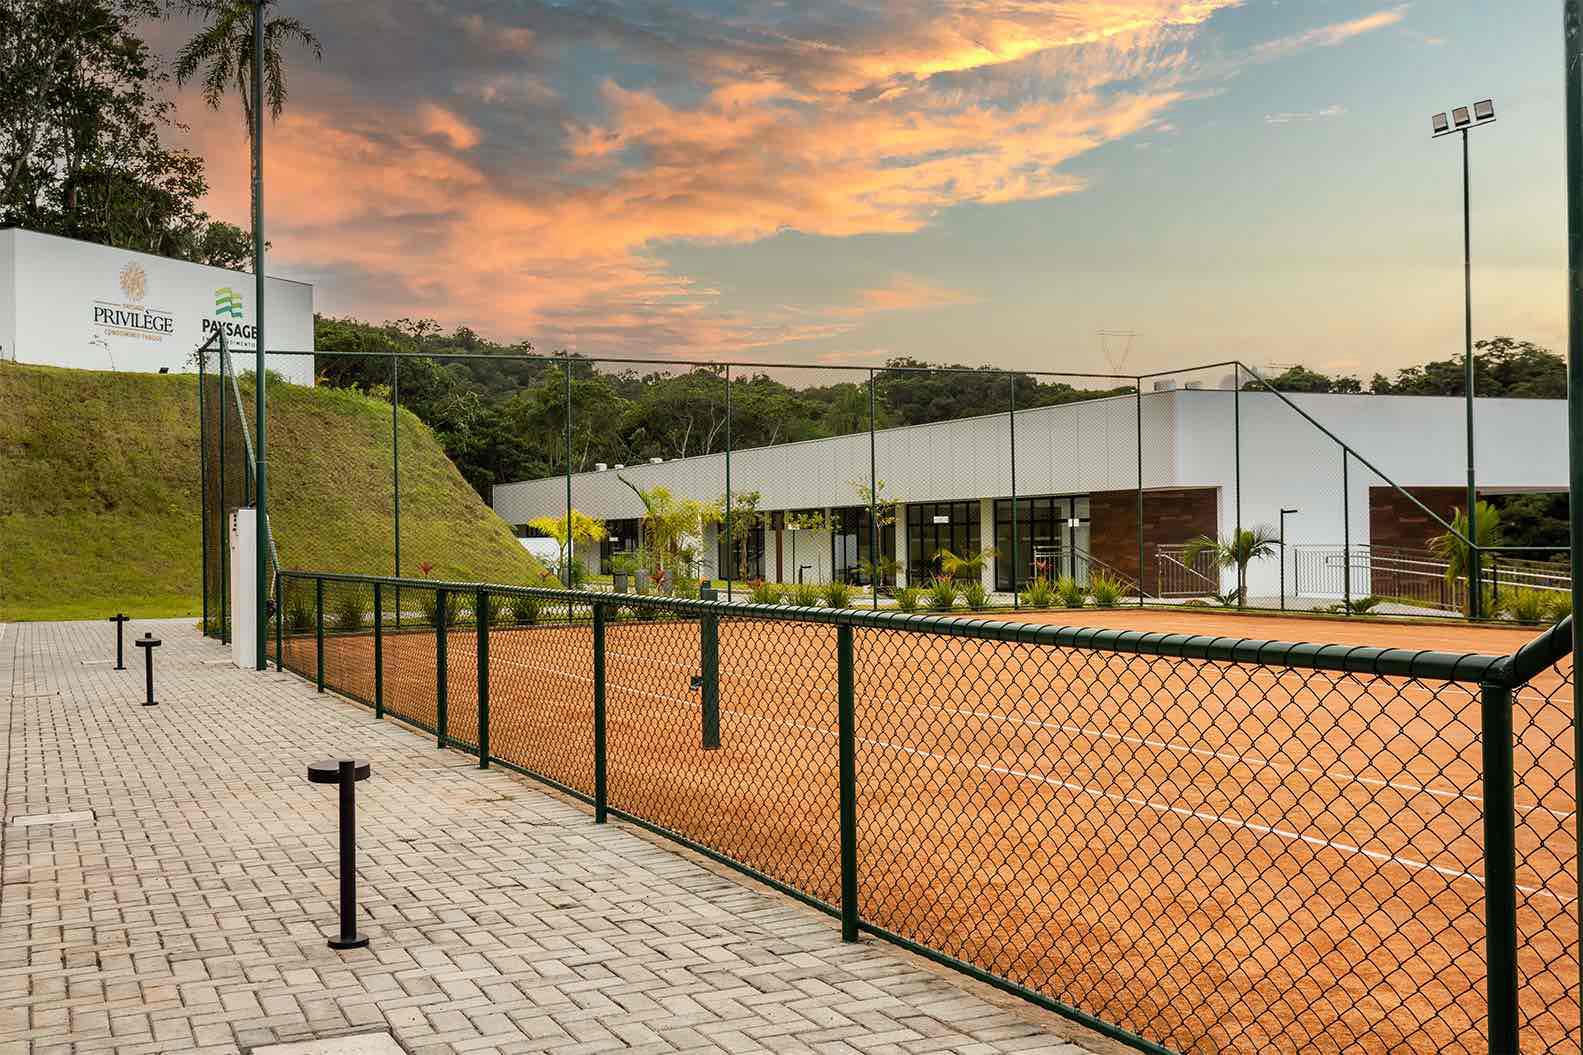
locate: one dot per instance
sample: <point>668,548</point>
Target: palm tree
<point>222,53</point>
<point>1237,551</point>
<point>585,529</point>
<point>1452,548</point>
<point>967,566</point>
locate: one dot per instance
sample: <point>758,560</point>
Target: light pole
<point>1482,113</point>
<point>1284,514</point>
<point>260,476</point>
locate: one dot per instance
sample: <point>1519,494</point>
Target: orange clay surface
<point>1217,857</point>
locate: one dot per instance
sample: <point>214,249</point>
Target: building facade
<point>1063,490</point>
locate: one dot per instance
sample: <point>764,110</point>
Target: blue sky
<point>990,181</point>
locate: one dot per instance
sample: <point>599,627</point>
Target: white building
<point>69,303</point>
<point>1078,488</point>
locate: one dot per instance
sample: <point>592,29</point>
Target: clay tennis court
<point>1215,856</point>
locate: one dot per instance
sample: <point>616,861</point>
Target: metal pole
<point>873,502</point>
<point>601,794</point>
<point>709,678</point>
<point>261,489</point>
<point>225,520</point>
<point>280,618</point>
<point>442,667</point>
<point>481,632</point>
<point>318,634</point>
<point>203,481</point>
<point>1236,461</point>
<point>1138,392</point>
<point>1500,868</point>
<point>348,810</point>
<point>379,653</point>
<point>571,548</point>
<point>1572,24</point>
<point>1283,562</point>
<point>395,464</point>
<point>1475,579</point>
<point>731,543</point>
<point>1011,421</point>
<point>1346,538</point>
<point>846,740</point>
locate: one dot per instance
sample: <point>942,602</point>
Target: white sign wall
<point>78,304</point>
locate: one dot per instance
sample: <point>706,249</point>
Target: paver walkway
<point>189,911</point>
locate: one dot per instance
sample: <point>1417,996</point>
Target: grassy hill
<point>99,493</point>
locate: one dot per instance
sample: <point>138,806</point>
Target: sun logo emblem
<point>134,281</point>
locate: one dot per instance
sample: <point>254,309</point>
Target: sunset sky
<point>987,181</point>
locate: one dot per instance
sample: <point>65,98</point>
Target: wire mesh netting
<point>226,468</point>
<point>1213,854</point>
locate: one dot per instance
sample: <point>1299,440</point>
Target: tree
<point>584,529</point>
<point>1301,379</point>
<point>1450,546</point>
<point>668,522</point>
<point>222,52</point>
<point>1502,366</point>
<point>965,566</point>
<point>81,114</point>
<point>1236,551</point>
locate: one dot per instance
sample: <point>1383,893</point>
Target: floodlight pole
<point>1475,575</point>
<point>261,489</point>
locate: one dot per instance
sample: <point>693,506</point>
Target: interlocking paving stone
<point>188,911</point>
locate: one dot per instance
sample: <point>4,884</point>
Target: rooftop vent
<point>1194,385</point>
<point>1165,386</point>
<point>655,461</point>
<point>600,467</point>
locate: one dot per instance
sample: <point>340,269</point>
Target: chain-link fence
<point>920,488</point>
<point>1192,843</point>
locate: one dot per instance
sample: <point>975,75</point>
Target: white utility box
<point>244,588</point>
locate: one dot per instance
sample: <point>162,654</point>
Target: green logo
<point>228,301</point>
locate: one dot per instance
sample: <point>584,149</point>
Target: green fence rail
<point>1189,843</point>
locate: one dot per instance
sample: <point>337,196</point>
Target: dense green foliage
<point>1502,367</point>
<point>503,419</point>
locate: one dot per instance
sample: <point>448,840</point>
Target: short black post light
<point>345,772</point>
<point>120,619</point>
<point>1462,119</point>
<point>1284,514</point>
<point>148,643</point>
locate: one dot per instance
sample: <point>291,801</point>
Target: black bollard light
<point>120,620</point>
<point>345,772</point>
<point>148,643</point>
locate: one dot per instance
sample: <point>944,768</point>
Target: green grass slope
<point>99,494</point>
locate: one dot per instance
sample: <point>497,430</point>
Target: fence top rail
<point>1469,667</point>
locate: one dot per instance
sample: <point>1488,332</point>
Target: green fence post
<point>709,678</point>
<point>280,619</point>
<point>1138,398</point>
<point>1236,477</point>
<point>379,653</point>
<point>1016,561</point>
<point>318,633</point>
<point>1346,538</point>
<point>846,741</point>
<point>731,542</point>
<point>203,484</point>
<point>442,616</point>
<point>600,791</point>
<point>481,628</point>
<point>1500,868</point>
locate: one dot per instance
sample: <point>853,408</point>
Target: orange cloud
<point>425,206</point>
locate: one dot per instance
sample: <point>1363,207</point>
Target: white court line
<point>1339,775</point>
<point>1410,863</point>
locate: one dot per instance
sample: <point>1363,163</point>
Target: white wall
<point>78,304</point>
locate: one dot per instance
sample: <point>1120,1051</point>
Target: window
<point>850,542</point>
<point>1047,540</point>
<point>621,536</point>
<point>749,563</point>
<point>936,526</point>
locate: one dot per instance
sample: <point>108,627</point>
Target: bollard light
<point>345,772</point>
<point>148,643</point>
<point>120,619</point>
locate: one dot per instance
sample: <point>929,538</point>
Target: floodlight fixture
<point>1484,110</point>
<point>1441,123</point>
<point>1461,116</point>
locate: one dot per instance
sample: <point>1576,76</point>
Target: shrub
<point>764,592</point>
<point>803,595</point>
<point>1071,592</point>
<point>1039,594</point>
<point>908,598</point>
<point>837,594</point>
<point>1526,606</point>
<point>1559,606</point>
<point>349,611</point>
<point>1106,590</point>
<point>429,605</point>
<point>299,613</point>
<point>524,611</point>
<point>942,594</point>
<point>975,596</point>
